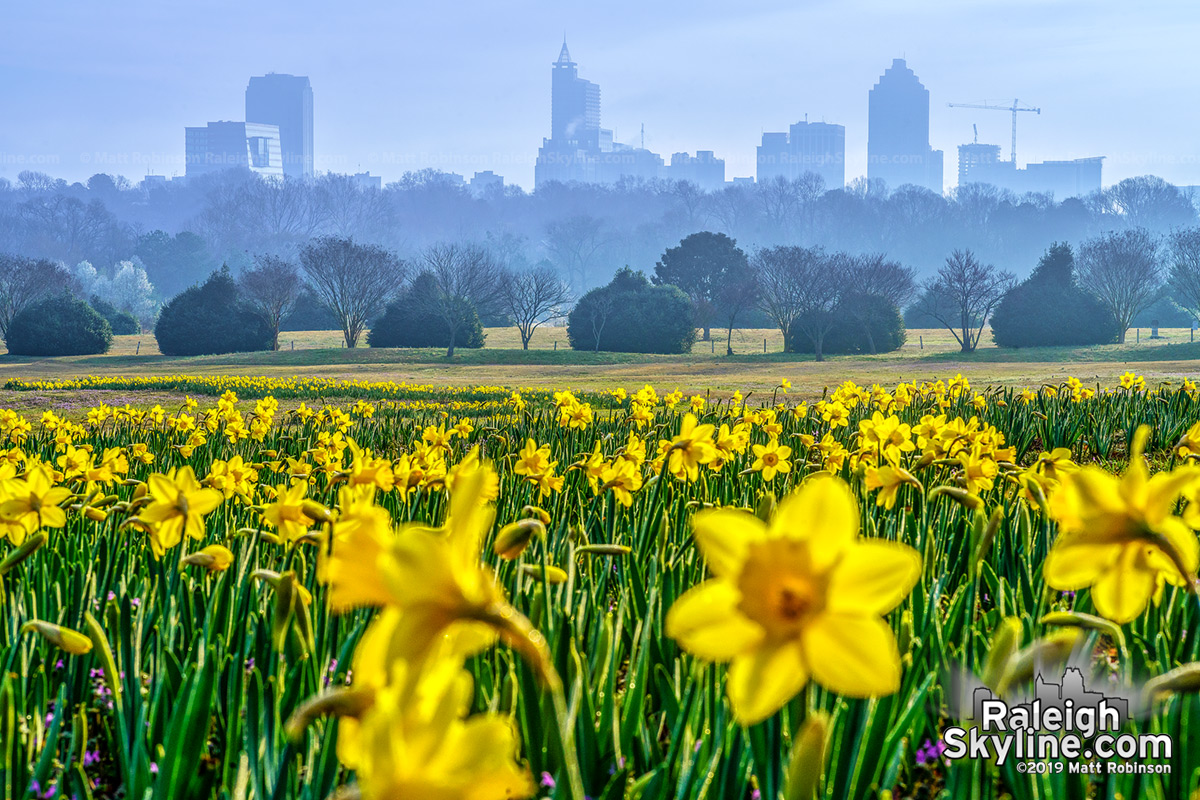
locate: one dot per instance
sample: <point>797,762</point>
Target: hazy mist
<point>88,88</point>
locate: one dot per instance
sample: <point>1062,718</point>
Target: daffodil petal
<point>852,654</point>
<point>873,577</point>
<point>760,682</point>
<point>1074,563</point>
<point>822,512</point>
<point>706,622</point>
<point>724,535</point>
<point>1123,591</point>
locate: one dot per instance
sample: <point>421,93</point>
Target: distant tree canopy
<point>631,316</point>
<point>181,231</point>
<point>211,318</point>
<point>706,266</point>
<point>862,323</point>
<point>61,325</point>
<point>412,320</point>
<point>122,322</point>
<point>1048,308</point>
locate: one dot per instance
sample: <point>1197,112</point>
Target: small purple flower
<point>59,664</point>
<point>153,767</point>
<point>91,757</point>
<point>547,781</point>
<point>135,602</point>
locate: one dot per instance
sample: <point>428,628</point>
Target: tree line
<point>181,231</point>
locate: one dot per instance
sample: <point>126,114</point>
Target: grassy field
<point>927,354</point>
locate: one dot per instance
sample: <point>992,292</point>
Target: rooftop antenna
<point>643,136</point>
<point>975,128</point>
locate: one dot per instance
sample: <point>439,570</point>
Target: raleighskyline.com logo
<point>1061,727</point>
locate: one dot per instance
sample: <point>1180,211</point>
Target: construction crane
<point>1014,108</point>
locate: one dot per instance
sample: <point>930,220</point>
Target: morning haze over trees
<point>830,268</point>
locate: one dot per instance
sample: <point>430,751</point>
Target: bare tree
<point>963,295</point>
<point>875,276</point>
<point>780,273</point>
<point>598,306</point>
<point>1185,268</point>
<point>820,284</point>
<point>573,243</point>
<point>355,281</point>
<point>738,292</point>
<point>533,297</point>
<point>469,281</point>
<point>1123,269</point>
<point>272,286</point>
<point>24,280</point>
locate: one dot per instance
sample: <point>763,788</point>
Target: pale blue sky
<point>87,87</point>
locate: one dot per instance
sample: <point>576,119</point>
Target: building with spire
<point>898,149</point>
<point>578,149</point>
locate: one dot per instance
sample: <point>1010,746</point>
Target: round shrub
<point>1048,309</point>
<point>211,318</point>
<point>409,321</point>
<point>122,322</point>
<point>310,314</point>
<point>59,326</point>
<point>874,325</point>
<point>632,316</point>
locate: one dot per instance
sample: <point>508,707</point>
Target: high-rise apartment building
<point>285,101</point>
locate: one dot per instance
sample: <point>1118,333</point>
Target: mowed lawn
<point>927,354</point>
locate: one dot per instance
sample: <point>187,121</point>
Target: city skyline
<point>701,88</point>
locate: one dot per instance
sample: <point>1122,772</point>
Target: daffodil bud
<point>989,534</point>
<point>140,491</point>
<point>353,702</point>
<point>766,506</point>
<point>958,495</point>
<point>1047,653</point>
<point>513,538</point>
<point>27,548</point>
<point>551,574</point>
<point>538,512</point>
<point>214,558</point>
<point>1005,642</point>
<point>604,550</point>
<point>905,638</point>
<point>807,762</point>
<point>285,600</point>
<point>316,512</point>
<point>1075,619</point>
<point>94,514</point>
<point>108,664</point>
<point>66,639</point>
<point>1184,679</point>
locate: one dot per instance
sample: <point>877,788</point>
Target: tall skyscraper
<point>816,147</point>
<point>287,102</point>
<point>220,146</point>
<point>898,150</point>
<point>578,148</point>
<point>574,105</point>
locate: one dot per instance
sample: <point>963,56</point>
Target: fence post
<point>764,345</point>
<point>556,345</point>
<point>139,347</point>
<point>712,347</point>
<point>293,344</point>
<point>922,338</point>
